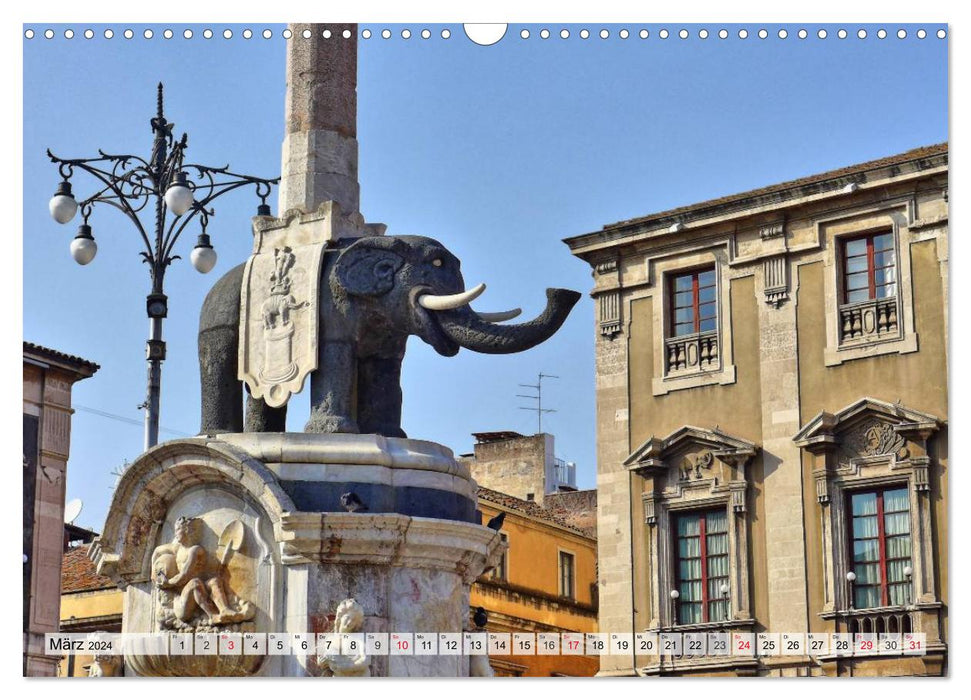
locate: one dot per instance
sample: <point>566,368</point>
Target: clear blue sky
<point>499,152</point>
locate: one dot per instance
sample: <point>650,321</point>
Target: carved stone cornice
<point>384,539</point>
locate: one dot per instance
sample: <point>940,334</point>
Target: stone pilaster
<point>614,539</point>
<point>320,145</point>
<point>784,532</point>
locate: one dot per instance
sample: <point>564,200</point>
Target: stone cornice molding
<point>388,539</point>
<point>746,205</point>
<point>347,449</point>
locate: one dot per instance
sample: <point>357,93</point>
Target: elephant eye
<point>437,262</point>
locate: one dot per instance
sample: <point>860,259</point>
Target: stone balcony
<point>890,620</point>
<point>696,352</point>
<point>868,321</point>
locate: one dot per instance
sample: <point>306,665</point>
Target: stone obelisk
<point>320,146</point>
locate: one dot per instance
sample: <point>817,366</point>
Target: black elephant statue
<point>374,293</point>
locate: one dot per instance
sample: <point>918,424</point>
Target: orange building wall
<point>529,600</point>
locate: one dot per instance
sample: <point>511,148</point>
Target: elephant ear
<point>368,266</point>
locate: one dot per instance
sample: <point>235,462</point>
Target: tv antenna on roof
<point>538,399</point>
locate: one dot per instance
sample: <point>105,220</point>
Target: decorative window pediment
<point>695,480</point>
<point>697,460</point>
<point>864,412</point>
<point>872,469</point>
<point>866,438</point>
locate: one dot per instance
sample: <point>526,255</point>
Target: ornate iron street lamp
<point>130,183</point>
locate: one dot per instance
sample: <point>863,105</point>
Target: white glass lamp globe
<point>675,594</point>
<point>203,256</point>
<point>63,206</point>
<point>178,197</point>
<point>851,577</point>
<point>84,247</point>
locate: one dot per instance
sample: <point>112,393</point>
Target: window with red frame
<point>694,308</point>
<point>880,531</point>
<point>869,268</point>
<point>702,550</point>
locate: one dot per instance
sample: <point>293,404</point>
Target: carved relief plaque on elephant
<point>278,317</point>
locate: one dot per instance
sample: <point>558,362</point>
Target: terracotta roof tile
<point>530,508</point>
<point>60,356</point>
<point>78,572</point>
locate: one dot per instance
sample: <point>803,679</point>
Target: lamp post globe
<point>203,256</point>
<point>178,196</point>
<point>850,576</point>
<point>84,247</point>
<point>675,594</point>
<point>63,206</point>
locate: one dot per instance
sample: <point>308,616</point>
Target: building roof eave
<point>924,161</point>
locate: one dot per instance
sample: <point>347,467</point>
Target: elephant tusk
<point>498,316</point>
<point>436,302</point>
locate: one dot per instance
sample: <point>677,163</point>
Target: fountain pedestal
<point>260,514</point>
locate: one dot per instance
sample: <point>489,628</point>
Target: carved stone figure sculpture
<point>349,618</point>
<point>191,584</point>
<point>374,293</point>
<point>104,666</point>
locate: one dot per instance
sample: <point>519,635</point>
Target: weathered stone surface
<point>320,145</point>
<point>408,573</point>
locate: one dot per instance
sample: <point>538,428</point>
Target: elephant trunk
<point>469,330</point>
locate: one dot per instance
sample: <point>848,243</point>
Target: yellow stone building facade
<point>89,603</point>
<point>545,582</point>
<point>772,415</point>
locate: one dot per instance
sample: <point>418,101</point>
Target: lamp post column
<point>155,352</point>
<point>156,304</point>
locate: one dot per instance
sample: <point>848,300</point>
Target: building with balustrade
<point>546,580</point>
<point>772,407</point>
